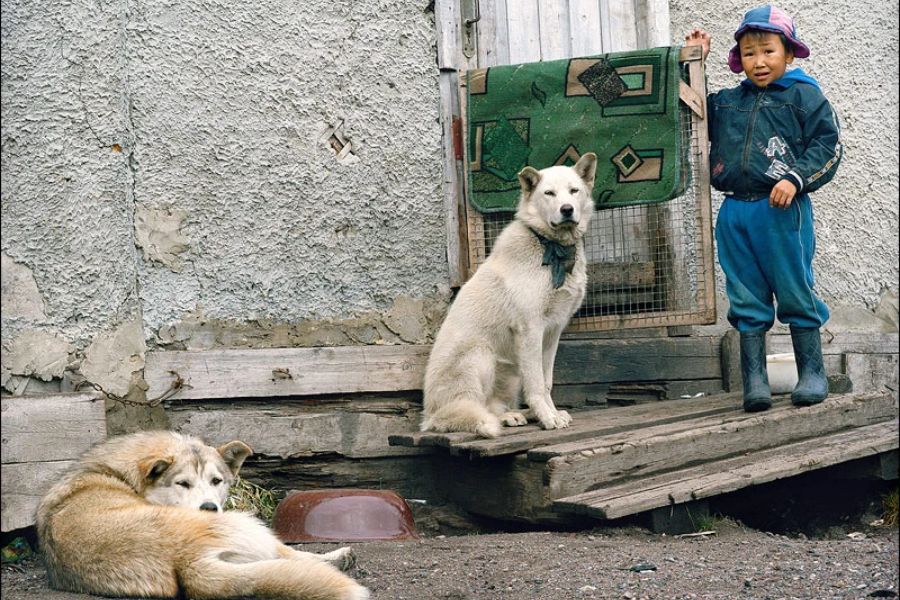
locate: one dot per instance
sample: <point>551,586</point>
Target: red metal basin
<point>345,515</point>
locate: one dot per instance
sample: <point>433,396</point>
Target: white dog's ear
<point>586,168</point>
<point>153,468</point>
<point>234,453</point>
<point>529,178</point>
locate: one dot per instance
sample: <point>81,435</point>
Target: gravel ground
<point>631,563</point>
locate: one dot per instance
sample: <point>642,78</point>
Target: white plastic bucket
<point>782,370</point>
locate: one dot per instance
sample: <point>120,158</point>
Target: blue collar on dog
<point>560,258</point>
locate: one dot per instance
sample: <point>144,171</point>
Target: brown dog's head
<point>169,468</point>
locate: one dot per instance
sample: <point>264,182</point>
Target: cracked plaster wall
<point>69,270</point>
<point>172,162</point>
<point>217,116</point>
<point>854,57</point>
<point>230,105</point>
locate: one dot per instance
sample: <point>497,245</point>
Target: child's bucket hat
<point>767,18</point>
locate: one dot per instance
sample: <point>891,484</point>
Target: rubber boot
<point>812,384</point>
<point>757,396</point>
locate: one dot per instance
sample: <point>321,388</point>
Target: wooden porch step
<point>523,473</point>
<point>728,475</point>
<point>585,424</point>
<point>575,467</point>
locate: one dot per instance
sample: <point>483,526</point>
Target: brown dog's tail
<point>300,578</point>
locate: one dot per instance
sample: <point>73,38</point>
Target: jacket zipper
<point>748,139</point>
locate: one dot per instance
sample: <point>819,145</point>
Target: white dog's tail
<point>463,415</point>
<point>300,578</point>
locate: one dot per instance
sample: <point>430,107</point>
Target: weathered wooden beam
<point>41,437</point>
<point>594,361</point>
<point>271,372</point>
<point>731,474</point>
<point>596,423</point>
<point>575,467</point>
<point>842,343</point>
<point>292,432</point>
<point>247,373</point>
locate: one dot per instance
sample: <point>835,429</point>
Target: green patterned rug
<point>622,106</point>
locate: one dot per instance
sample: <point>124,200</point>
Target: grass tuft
<point>890,504</point>
<point>252,498</point>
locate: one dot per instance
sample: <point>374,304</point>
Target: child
<point>773,137</point>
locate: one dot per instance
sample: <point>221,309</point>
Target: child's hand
<point>699,37</point>
<point>782,194</point>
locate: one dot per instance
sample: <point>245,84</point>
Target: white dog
<point>501,333</point>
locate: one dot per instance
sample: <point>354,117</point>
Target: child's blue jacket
<point>759,136</point>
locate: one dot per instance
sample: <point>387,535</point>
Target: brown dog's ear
<point>234,453</point>
<point>529,178</point>
<point>153,468</point>
<point>586,168</point>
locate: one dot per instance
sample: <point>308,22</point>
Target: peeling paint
<point>115,359</point>
<point>158,233</point>
<point>35,354</point>
<point>19,293</point>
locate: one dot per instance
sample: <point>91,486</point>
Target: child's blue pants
<point>767,251</point>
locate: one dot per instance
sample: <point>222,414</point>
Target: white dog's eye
<point>184,484</point>
<point>574,191</point>
<point>216,481</point>
<point>549,193</point>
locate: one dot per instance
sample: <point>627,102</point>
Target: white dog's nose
<point>567,211</point>
<point>211,506</point>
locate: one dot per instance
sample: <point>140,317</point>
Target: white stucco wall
<point>164,171</point>
<point>854,58</point>
<point>167,161</point>
<point>229,102</point>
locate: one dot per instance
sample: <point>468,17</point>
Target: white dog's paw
<point>342,558</point>
<point>557,420</point>
<point>513,418</point>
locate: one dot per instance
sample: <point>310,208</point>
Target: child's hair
<point>756,34</point>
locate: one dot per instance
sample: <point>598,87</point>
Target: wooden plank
<point>493,37</point>
<point>41,437</point>
<point>554,29</point>
<point>457,253</point>
<point>295,432</point>
<point>871,371</point>
<point>597,361</point>
<point>247,373</point>
<point>24,484</point>
<point>585,424</point>
<point>447,30</point>
<point>578,466</point>
<point>652,23</point>
<point>50,428</point>
<point>267,372</point>
<point>732,474</point>
<point>585,36</point>
<point>523,25</point>
<point>842,343</point>
<point>618,25</point>
<point>700,151</point>
<point>691,98</point>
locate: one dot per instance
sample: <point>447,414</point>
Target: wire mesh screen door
<point>649,265</point>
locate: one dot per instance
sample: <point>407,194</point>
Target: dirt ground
<point>628,563</point>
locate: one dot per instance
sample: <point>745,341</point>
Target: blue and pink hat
<point>767,18</point>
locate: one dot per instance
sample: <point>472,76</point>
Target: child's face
<point>764,57</point>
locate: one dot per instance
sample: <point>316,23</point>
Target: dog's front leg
<point>548,360</point>
<point>529,346</point>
